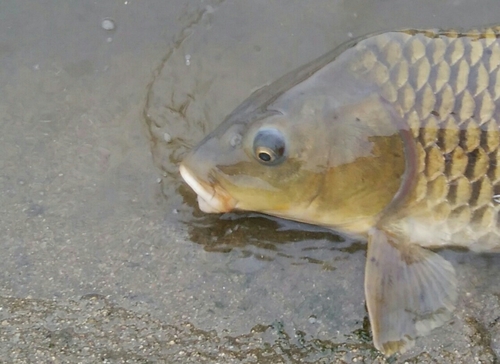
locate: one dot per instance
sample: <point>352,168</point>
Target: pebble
<point>108,24</point>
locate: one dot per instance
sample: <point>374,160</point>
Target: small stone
<point>108,24</point>
<point>167,137</point>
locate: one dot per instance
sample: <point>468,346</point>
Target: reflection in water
<point>262,236</point>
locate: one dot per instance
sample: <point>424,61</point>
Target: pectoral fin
<point>409,291</point>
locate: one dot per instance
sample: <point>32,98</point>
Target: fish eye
<point>269,146</point>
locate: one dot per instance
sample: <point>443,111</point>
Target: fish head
<point>266,161</point>
<point>304,162</point>
<point>326,150</point>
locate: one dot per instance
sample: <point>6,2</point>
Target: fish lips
<point>210,198</point>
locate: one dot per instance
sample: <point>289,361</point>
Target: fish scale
<point>445,85</point>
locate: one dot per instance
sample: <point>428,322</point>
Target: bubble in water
<point>108,24</point>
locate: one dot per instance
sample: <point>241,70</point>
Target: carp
<point>393,138</point>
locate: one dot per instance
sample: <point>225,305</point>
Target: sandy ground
<point>104,255</point>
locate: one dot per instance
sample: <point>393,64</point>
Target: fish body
<point>394,138</point>
<point>445,86</point>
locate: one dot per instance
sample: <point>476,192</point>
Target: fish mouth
<point>210,199</point>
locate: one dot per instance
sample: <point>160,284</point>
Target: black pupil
<point>269,146</point>
<point>265,157</point>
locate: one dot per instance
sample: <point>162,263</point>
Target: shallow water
<point>103,246</point>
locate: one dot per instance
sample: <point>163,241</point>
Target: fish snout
<point>210,198</point>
